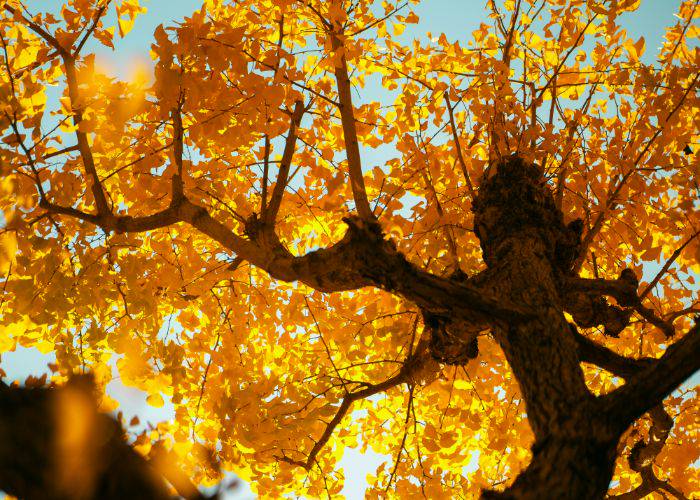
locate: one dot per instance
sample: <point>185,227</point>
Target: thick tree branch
<point>599,355</point>
<point>282,177</point>
<point>643,454</point>
<point>118,223</point>
<point>650,386</point>
<point>347,117</point>
<point>624,290</point>
<point>649,380</point>
<point>266,172</point>
<point>650,483</point>
<point>81,136</point>
<point>362,258</point>
<point>76,105</point>
<point>178,136</point>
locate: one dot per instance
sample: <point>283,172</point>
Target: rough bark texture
<point>530,254</point>
<point>528,250</point>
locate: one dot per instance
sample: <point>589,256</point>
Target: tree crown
<point>219,228</point>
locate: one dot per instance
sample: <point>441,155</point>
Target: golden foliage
<point>256,367</point>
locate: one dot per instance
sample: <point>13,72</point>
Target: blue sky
<point>456,18</point>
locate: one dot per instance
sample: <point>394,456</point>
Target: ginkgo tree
<point>504,306</point>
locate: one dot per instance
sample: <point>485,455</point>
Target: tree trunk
<point>577,467</point>
<point>528,250</point>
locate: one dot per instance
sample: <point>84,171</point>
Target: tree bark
<point>528,250</point>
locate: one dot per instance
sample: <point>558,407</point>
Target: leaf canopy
<point>260,112</point>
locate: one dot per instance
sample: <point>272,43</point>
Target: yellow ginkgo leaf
<point>155,400</point>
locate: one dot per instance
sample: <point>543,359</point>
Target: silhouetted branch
<point>651,385</point>
<point>414,363</point>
